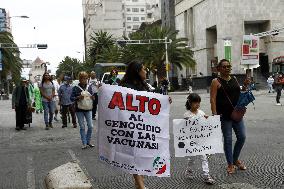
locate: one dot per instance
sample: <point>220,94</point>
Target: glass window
<point>128,18</point>
<point>128,27</point>
<point>142,18</point>
<point>135,27</point>
<point>135,9</point>
<point>135,18</point>
<point>149,15</point>
<point>142,9</point>
<point>128,9</point>
<point>134,0</point>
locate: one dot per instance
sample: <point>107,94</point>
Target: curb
<point>68,175</point>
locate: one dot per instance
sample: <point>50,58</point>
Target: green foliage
<point>11,60</point>
<point>70,66</point>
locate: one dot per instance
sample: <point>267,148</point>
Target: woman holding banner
<point>224,95</point>
<point>135,78</point>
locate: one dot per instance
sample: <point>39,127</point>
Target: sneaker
<point>50,125</point>
<point>231,169</point>
<point>209,180</point>
<point>240,165</point>
<point>84,147</point>
<point>91,145</point>
<point>189,173</point>
<point>278,104</point>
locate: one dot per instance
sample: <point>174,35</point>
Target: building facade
<point>36,70</point>
<point>168,13</point>
<point>4,21</point>
<point>207,23</point>
<point>117,17</point>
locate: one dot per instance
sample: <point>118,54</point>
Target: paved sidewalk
<point>27,156</point>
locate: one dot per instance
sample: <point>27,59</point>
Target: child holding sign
<point>192,105</point>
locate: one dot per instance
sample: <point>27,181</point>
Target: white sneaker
<point>209,180</point>
<point>278,104</point>
<point>189,173</point>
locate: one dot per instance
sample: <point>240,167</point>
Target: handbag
<point>238,112</point>
<point>86,103</point>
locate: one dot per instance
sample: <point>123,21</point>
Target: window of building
<point>135,9</point>
<point>128,18</point>
<point>135,0</point>
<point>135,27</point>
<point>128,27</point>
<point>142,9</point>
<point>128,9</point>
<point>149,15</point>
<point>148,7</point>
<point>135,18</point>
<point>142,18</point>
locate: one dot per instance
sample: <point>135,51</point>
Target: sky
<point>57,23</point>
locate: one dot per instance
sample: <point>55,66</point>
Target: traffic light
<point>41,46</point>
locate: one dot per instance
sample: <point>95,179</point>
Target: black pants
<point>21,113</point>
<point>71,109</point>
<point>278,90</point>
<point>95,105</point>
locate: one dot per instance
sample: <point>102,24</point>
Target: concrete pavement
<point>27,156</point>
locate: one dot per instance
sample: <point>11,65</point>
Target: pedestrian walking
<point>47,91</point>
<point>135,78</point>
<point>113,79</point>
<point>94,84</point>
<point>164,86</point>
<point>64,94</point>
<point>224,95</point>
<point>278,85</point>
<point>83,108</point>
<point>21,103</point>
<point>192,106</point>
<point>56,82</point>
<point>38,99</point>
<point>190,84</point>
<point>270,82</point>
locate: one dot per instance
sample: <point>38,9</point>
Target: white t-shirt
<point>94,83</point>
<point>189,114</point>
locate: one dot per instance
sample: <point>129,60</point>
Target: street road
<point>27,156</point>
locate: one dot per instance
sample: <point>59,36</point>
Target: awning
<point>278,60</point>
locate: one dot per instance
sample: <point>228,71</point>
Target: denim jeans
<point>48,108</point>
<point>239,129</point>
<point>88,116</point>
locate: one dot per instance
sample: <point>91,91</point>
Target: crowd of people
<point>80,103</point>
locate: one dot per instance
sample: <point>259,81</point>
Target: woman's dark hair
<point>43,80</point>
<point>221,62</point>
<point>132,75</point>
<point>193,97</point>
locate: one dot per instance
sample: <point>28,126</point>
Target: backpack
<point>87,102</point>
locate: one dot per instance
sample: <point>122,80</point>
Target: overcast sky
<point>57,23</point>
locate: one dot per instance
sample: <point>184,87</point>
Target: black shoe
<point>18,128</point>
<point>23,128</point>
<point>91,145</point>
<point>63,126</point>
<point>47,128</point>
<point>50,125</point>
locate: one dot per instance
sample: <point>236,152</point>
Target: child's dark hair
<point>193,97</point>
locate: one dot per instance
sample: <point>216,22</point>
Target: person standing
<point>94,84</point>
<point>270,82</point>
<point>113,79</point>
<point>278,87</point>
<point>38,99</point>
<point>81,95</point>
<point>164,86</point>
<point>56,83</point>
<point>224,95</point>
<point>64,94</point>
<point>47,91</point>
<point>21,102</point>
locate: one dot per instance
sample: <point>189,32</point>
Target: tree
<point>11,60</point>
<point>70,66</point>
<point>100,42</point>
<point>154,55</point>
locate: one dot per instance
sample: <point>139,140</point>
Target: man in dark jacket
<point>21,102</point>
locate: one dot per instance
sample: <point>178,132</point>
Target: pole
<point>167,58</point>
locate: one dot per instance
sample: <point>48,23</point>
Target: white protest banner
<point>197,136</point>
<point>133,131</point>
<point>250,50</point>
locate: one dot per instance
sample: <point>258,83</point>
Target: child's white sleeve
<point>201,113</point>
